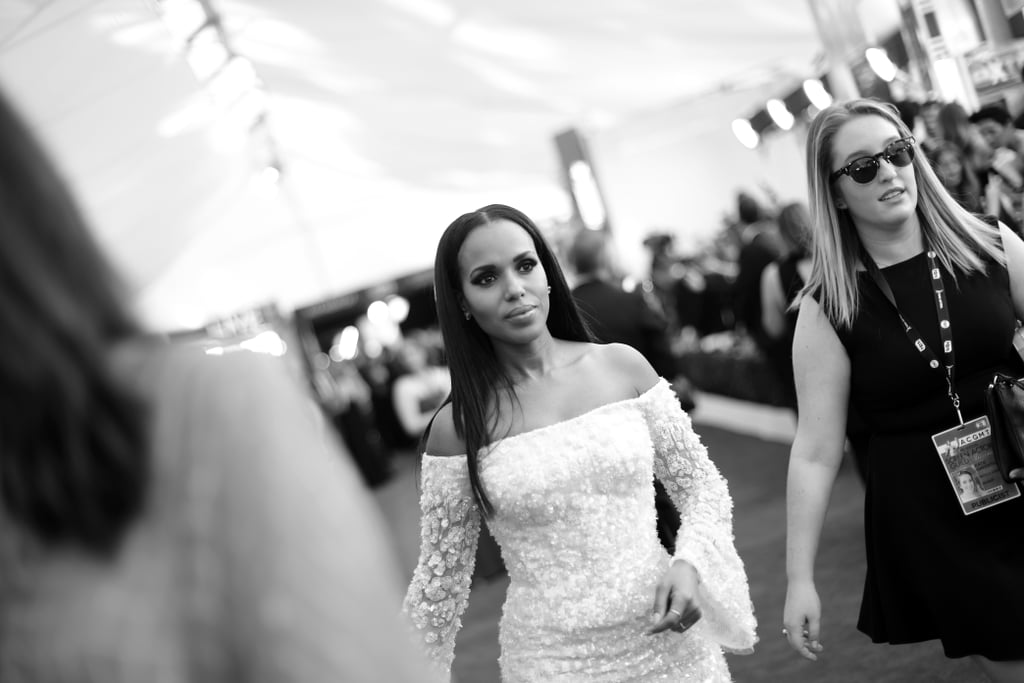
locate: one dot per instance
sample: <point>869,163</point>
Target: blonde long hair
<point>960,239</point>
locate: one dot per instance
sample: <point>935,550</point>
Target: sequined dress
<point>575,519</point>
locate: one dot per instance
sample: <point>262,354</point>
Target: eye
<point>861,164</point>
<point>483,279</point>
<point>526,265</point>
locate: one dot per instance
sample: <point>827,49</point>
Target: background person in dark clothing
<point>616,315</point>
<point>781,282</point>
<point>760,244</point>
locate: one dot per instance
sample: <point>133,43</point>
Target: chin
<point>524,335</point>
<point>899,214</point>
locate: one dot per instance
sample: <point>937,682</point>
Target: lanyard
<point>945,326</point>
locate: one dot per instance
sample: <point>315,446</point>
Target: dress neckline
<point>907,261</point>
<point>489,448</point>
<point>916,257</point>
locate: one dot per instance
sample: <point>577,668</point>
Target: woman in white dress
<point>556,440</point>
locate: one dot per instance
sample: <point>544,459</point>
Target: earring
<point>549,289</point>
<point>467,314</point>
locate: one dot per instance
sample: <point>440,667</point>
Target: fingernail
<point>655,617</point>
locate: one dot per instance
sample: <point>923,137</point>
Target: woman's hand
<point>675,599</point>
<point>801,619</point>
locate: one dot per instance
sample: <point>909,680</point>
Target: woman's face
<point>504,286</point>
<point>994,133</point>
<point>930,117</point>
<point>966,483</point>
<point>887,200</point>
<point>949,168</point>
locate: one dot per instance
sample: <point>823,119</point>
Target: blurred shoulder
<point>625,363</point>
<point>443,441</point>
<point>223,383</point>
<point>247,371</point>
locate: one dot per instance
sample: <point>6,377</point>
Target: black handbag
<point>1004,400</point>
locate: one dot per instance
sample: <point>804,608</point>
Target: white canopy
<point>389,118</point>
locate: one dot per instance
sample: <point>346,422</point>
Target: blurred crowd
<point>702,316</point>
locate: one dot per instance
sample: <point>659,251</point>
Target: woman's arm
<point>706,578</point>
<point>449,529</point>
<point>822,372</point>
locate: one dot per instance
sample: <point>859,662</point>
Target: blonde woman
<point>900,269</point>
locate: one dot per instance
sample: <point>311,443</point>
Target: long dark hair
<point>73,466</point>
<point>477,376</point>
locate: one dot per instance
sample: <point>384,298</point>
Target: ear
<point>840,202</point>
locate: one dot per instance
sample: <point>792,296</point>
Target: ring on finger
<point>676,612</point>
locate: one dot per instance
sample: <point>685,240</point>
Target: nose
<point>515,289</point>
<point>886,169</point>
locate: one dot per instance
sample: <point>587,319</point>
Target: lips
<point>891,194</point>
<point>520,311</point>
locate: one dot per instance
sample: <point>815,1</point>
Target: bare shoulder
<point>443,441</point>
<point>236,382</point>
<point>628,364</point>
<point>1012,243</point>
<point>810,315</point>
<point>814,336</point>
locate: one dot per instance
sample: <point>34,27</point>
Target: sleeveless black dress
<point>933,572</point>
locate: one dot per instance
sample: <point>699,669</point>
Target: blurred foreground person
<point>557,440</point>
<point>165,515</point>
<point>910,308</point>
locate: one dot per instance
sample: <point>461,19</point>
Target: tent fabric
<point>389,117</point>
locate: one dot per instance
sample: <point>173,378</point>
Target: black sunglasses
<point>864,169</point>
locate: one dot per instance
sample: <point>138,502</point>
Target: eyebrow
<point>489,266</point>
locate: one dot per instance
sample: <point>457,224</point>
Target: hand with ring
<point>675,599</point>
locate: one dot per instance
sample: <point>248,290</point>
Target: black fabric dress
<point>933,572</point>
<point>780,352</point>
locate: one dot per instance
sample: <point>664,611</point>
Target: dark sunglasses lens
<point>901,153</point>
<point>864,170</point>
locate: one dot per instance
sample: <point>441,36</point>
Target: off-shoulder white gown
<point>576,524</point>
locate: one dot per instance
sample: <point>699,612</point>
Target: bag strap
<point>1002,378</point>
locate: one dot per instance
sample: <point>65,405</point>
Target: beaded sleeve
<point>705,537</point>
<point>449,529</point>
